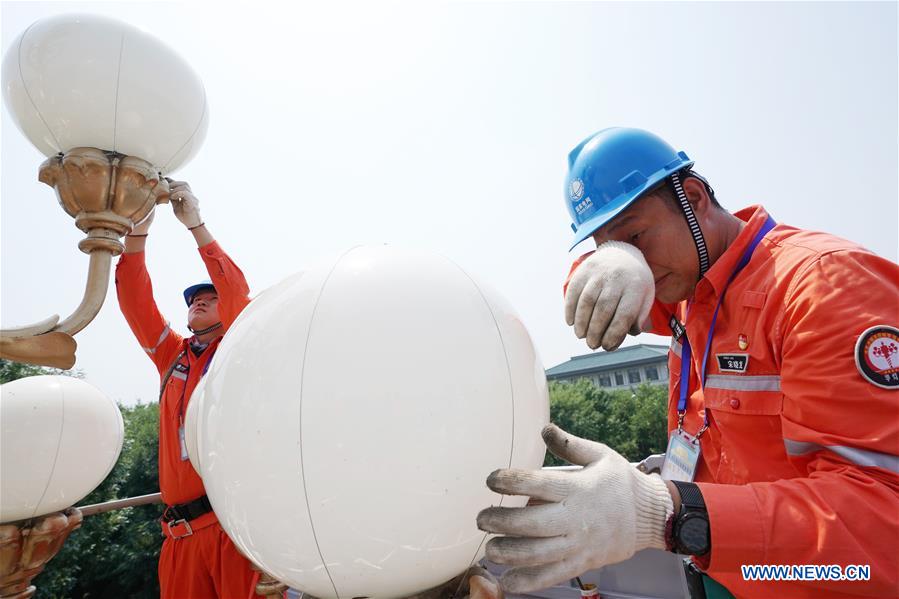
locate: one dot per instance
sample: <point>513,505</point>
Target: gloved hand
<point>185,204</point>
<point>143,227</point>
<point>599,515</point>
<point>610,293</point>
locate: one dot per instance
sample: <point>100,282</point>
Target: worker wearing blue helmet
<point>783,437</point>
<point>197,558</point>
<point>202,308</point>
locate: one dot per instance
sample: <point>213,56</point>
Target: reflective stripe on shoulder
<point>675,347</point>
<point>162,336</point>
<point>743,383</point>
<point>861,457</point>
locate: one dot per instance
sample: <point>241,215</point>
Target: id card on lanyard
<point>684,450</point>
<point>681,457</point>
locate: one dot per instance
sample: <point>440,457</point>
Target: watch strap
<point>691,502</point>
<point>690,495</point>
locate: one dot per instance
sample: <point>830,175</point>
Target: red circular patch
<point>877,356</point>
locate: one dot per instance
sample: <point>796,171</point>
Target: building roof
<point>605,360</point>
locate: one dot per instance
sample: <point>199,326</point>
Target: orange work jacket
<point>800,464</point>
<point>178,481</point>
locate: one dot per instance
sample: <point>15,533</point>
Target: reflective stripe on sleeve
<point>179,375</point>
<point>162,336</point>
<point>675,347</point>
<point>743,383</point>
<point>860,457</point>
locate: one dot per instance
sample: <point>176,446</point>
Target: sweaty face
<point>203,311</point>
<point>658,228</point>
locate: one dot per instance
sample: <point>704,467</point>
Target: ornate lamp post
<point>106,193</point>
<point>85,91</point>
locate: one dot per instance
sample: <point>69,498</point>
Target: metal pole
<point>118,504</point>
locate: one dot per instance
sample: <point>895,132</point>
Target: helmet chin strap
<point>701,249</point>
<point>206,330</point>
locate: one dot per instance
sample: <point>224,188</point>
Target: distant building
<point>624,367</point>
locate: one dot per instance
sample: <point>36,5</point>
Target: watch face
<point>693,534</point>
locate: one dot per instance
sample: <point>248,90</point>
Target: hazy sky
<point>446,126</point>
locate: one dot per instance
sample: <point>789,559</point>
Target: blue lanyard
<point>687,352</point>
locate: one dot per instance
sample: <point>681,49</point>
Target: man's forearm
<point>135,243</point>
<point>202,235</point>
<point>675,495</point>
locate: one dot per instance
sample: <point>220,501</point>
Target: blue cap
<point>611,169</point>
<point>191,291</point>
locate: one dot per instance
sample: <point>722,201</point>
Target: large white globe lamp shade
<point>79,80</point>
<point>59,439</point>
<point>352,414</point>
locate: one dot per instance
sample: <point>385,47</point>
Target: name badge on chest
<point>732,362</point>
<point>682,457</point>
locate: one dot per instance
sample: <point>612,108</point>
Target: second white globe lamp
<point>350,418</point>
<point>59,439</point>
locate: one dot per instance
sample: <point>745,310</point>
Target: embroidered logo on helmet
<point>877,356</point>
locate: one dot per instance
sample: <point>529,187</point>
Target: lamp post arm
<point>94,294</point>
<point>49,342</point>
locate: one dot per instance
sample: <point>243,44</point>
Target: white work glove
<point>185,204</point>
<point>609,295</point>
<point>596,516</point>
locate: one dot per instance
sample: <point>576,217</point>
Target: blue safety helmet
<point>611,169</point>
<point>191,291</point>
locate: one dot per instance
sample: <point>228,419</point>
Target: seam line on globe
<point>115,112</point>
<point>28,92</point>
<point>302,385</point>
<point>62,422</point>
<point>511,397</point>
<point>165,167</point>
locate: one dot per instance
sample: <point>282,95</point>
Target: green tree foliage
<point>10,371</point>
<point>113,554</point>
<point>633,422</point>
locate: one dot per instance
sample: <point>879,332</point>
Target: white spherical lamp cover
<point>59,439</point>
<point>352,414</point>
<point>80,80</point>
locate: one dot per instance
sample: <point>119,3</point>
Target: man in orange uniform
<point>198,559</point>
<point>783,410</point>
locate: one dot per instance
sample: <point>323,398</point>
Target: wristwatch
<point>688,531</point>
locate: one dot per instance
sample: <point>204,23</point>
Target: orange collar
<point>720,271</point>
